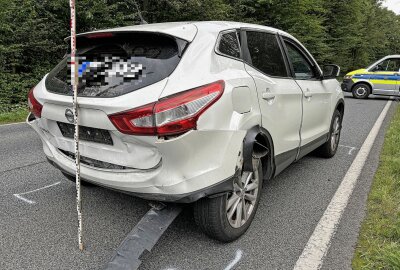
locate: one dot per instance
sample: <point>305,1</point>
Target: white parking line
<point>351,148</point>
<point>319,242</point>
<point>19,195</point>
<point>237,258</point>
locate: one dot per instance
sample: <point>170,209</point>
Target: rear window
<point>111,65</point>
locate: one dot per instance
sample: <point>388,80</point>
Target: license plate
<point>86,133</point>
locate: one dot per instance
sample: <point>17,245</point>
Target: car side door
<point>278,93</point>
<point>317,95</point>
<point>397,74</point>
<point>384,77</point>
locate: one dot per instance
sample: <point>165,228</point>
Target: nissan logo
<point>69,114</point>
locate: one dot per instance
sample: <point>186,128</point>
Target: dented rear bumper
<point>194,165</point>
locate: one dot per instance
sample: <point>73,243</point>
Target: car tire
<point>72,179</point>
<point>361,91</point>
<point>329,148</point>
<point>211,214</point>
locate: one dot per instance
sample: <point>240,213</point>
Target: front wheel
<point>361,91</point>
<point>227,217</point>
<point>328,149</point>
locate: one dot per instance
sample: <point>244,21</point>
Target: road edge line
<point>320,240</point>
<point>12,124</point>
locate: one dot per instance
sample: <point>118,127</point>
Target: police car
<point>381,78</point>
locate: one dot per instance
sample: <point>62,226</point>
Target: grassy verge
<point>14,116</point>
<point>379,242</point>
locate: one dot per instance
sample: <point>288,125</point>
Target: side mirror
<point>330,71</point>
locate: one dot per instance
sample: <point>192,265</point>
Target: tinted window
<point>392,64</point>
<point>266,54</point>
<point>301,67</point>
<point>229,44</point>
<point>113,65</point>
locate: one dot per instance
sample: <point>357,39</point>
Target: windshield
<point>112,64</point>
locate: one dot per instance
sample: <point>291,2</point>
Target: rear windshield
<point>112,64</point>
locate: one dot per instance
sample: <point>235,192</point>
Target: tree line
<point>350,33</point>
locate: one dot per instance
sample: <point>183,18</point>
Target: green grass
<point>379,242</point>
<point>17,115</point>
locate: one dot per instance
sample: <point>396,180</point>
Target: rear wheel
<point>361,90</point>
<point>328,149</point>
<point>227,217</point>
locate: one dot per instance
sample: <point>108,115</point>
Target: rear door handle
<point>268,96</point>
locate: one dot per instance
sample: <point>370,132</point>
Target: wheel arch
<point>259,141</point>
<point>371,87</point>
<point>340,106</point>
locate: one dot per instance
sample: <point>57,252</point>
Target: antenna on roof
<point>142,21</point>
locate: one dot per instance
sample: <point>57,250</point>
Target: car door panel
<point>317,95</point>
<point>398,83</point>
<point>279,95</point>
<point>383,77</point>
<point>280,105</point>
<point>316,110</point>
<point>384,83</point>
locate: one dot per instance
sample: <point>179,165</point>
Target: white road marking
<point>24,199</point>
<point>319,242</point>
<point>12,124</point>
<point>237,258</point>
<point>19,195</point>
<point>351,148</point>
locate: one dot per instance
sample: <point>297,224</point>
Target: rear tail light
<point>34,106</point>
<point>171,115</point>
<point>139,121</point>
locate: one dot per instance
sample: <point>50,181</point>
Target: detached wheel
<point>361,91</point>
<point>227,217</point>
<point>328,149</point>
<point>72,179</point>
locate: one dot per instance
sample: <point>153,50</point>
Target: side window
<point>394,65</point>
<point>229,44</point>
<point>303,70</point>
<point>388,65</point>
<point>266,54</point>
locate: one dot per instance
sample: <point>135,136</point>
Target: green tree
<point>351,33</point>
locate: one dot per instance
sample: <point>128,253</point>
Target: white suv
<point>190,112</point>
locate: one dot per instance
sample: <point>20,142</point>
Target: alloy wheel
<point>241,202</point>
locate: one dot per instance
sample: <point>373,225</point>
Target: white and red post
<point>74,82</point>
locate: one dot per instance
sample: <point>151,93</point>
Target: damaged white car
<point>199,112</point>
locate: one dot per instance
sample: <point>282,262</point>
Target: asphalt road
<point>41,232</point>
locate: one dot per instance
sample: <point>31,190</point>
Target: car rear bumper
<point>346,85</point>
<point>216,189</point>
<point>193,165</point>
